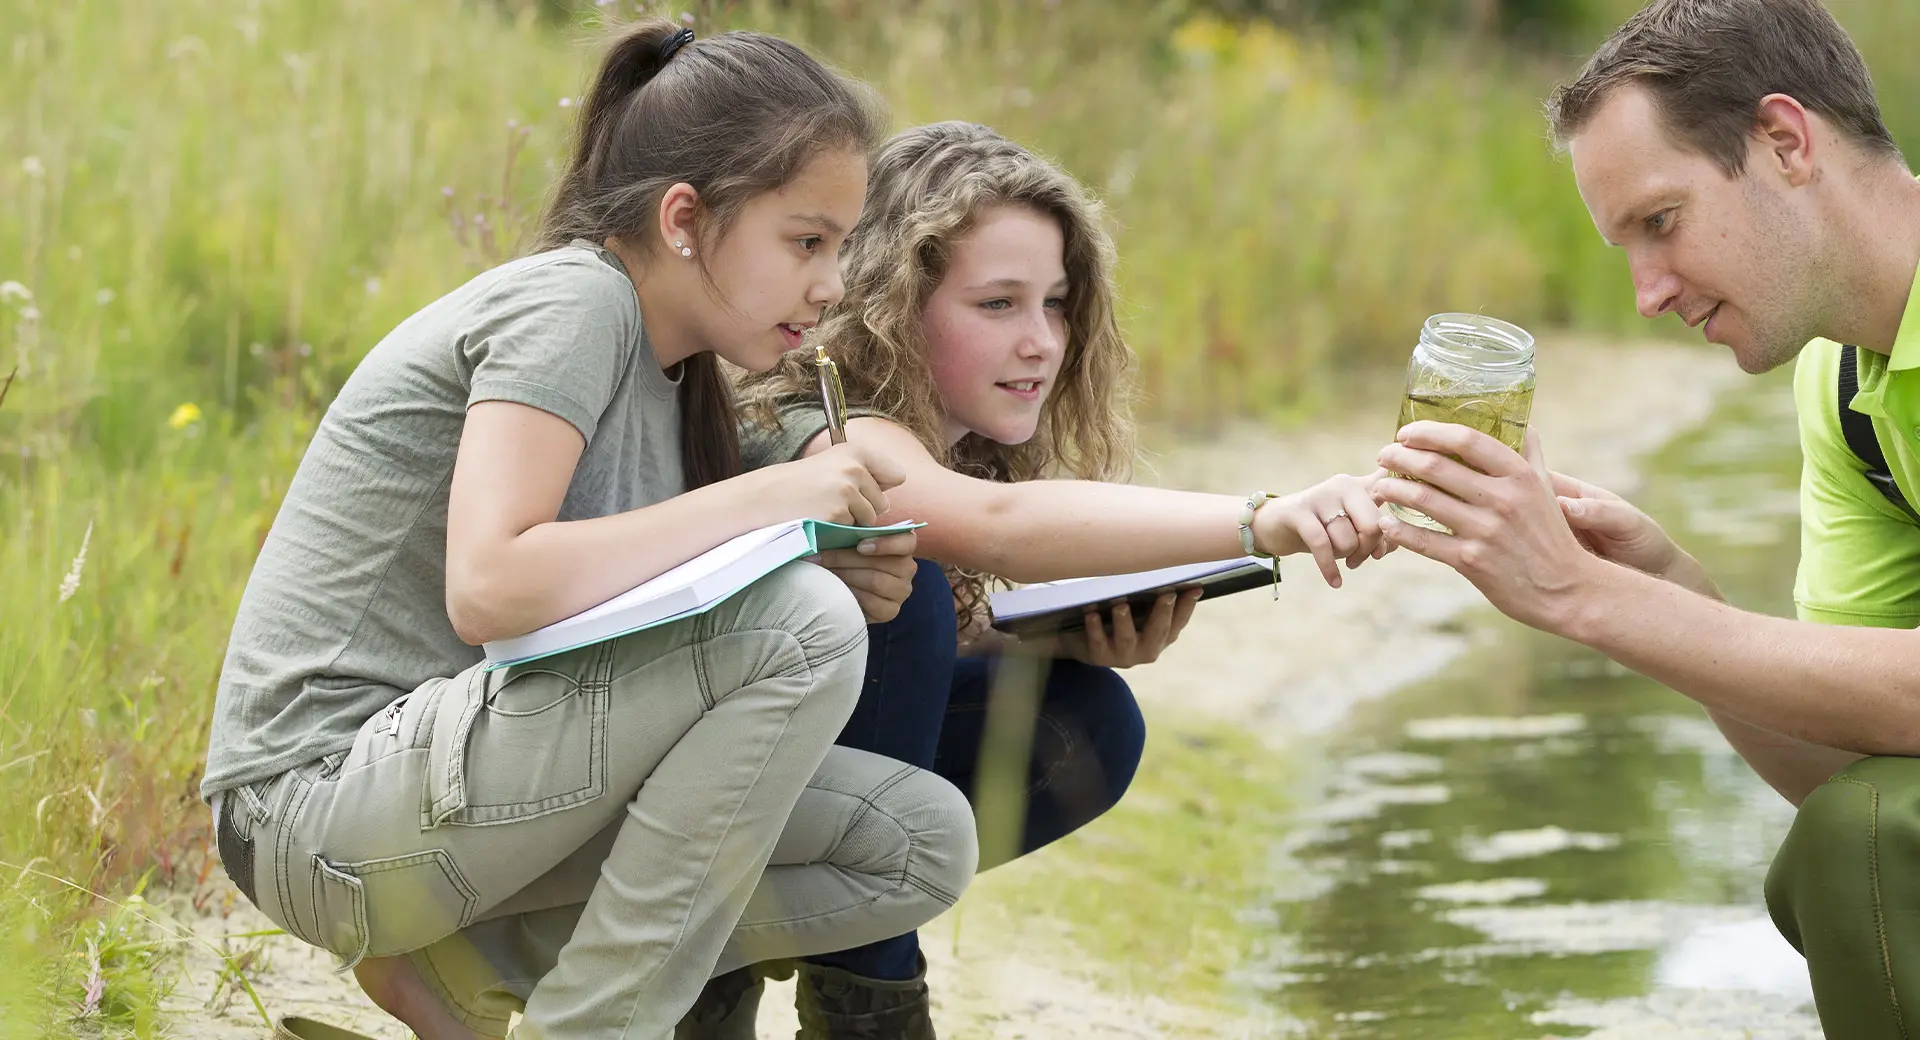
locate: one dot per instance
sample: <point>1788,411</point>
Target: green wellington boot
<point>839,1005</point>
<point>726,1009</point>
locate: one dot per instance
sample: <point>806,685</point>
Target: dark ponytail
<point>734,115</point>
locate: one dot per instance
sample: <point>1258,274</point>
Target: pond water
<point>1539,843</point>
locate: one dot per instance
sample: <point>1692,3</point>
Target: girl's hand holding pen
<point>845,484</point>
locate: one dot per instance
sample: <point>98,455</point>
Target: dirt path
<point>1280,671</point>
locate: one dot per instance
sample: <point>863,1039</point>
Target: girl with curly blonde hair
<point>978,346</point>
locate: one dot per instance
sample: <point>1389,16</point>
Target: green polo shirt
<point>1859,553</point>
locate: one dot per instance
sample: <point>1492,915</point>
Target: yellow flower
<point>184,416</point>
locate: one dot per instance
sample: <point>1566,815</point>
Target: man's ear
<point>1786,134</point>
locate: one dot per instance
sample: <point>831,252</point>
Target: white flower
<point>566,102</point>
<point>71,583</point>
<point>103,297</point>
<point>10,291</point>
<point>373,287</point>
<point>31,164</point>
<point>29,314</point>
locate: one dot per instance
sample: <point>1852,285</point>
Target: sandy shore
<point>1282,671</point>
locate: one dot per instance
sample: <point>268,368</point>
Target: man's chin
<point>1755,359</point>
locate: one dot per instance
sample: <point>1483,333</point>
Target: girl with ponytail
<point>538,440</point>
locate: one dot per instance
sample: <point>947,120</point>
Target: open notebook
<point>694,587</point>
<point>1061,606</point>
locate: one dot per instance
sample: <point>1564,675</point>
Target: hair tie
<point>672,44</point>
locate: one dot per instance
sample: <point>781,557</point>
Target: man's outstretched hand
<point>1511,535</point>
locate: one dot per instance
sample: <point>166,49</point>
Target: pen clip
<point>833,399</point>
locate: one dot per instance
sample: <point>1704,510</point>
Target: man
<point>1734,149</point>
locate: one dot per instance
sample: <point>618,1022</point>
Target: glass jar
<point>1471,370</point>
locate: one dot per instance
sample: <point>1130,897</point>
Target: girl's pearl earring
<point>684,249</point>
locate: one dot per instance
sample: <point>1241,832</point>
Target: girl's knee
<point>928,825</point>
<point>812,604</point>
<point>1110,716</point>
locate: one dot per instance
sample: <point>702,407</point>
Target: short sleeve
<point>795,422</point>
<point>558,335</point>
<point>1859,553</point>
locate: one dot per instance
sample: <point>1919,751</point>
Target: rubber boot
<point>839,1005</point>
<point>725,1010</point>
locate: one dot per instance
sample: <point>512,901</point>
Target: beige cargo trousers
<point>680,782</point>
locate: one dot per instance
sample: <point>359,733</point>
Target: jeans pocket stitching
<point>592,688</point>
<point>571,687</point>
<point>356,898</point>
<point>469,895</point>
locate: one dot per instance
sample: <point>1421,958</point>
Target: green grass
<point>224,203</point>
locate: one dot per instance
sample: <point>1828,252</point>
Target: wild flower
<point>31,165</point>
<point>14,292</point>
<point>104,297</point>
<point>71,583</point>
<point>184,416</point>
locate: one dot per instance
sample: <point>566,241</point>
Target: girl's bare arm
<point>513,567</point>
<point>1044,530</point>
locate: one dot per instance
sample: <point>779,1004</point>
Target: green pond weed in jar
<point>1471,370</point>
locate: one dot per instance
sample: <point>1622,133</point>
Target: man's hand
<point>1511,538</point>
<point>879,571</point>
<point>1613,529</point>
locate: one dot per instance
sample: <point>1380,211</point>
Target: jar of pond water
<point>1474,371</point>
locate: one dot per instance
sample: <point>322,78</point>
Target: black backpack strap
<point>1858,431</point>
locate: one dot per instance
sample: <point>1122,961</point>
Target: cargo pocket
<point>520,742</point>
<point>381,907</point>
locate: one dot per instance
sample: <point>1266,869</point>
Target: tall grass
<point>209,209</point>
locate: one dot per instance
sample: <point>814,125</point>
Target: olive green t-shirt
<point>345,610</point>
<point>1859,552</point>
<point>797,420</point>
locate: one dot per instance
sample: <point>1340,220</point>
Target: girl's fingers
<point>1099,648</point>
<point>1314,537</point>
<point>1183,612</point>
<point>1159,631</point>
<point>901,544</point>
<point>878,610</point>
<point>1364,514</point>
<point>1342,536</point>
<point>1126,638</point>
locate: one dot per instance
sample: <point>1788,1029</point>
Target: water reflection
<point>1542,844</point>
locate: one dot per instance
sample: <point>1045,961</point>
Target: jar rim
<point>1477,340</point>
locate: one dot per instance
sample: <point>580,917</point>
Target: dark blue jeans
<point>927,706</point>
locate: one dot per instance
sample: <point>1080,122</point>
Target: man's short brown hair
<point>1707,63</point>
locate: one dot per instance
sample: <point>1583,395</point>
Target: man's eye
<point>1660,220</point>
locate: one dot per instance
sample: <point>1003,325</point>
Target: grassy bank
<point>209,209</point>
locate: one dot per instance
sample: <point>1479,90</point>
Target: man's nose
<point>1655,290</point>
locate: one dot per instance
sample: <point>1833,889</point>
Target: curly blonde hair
<point>927,189</point>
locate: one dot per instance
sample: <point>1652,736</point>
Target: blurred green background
<point>209,209</point>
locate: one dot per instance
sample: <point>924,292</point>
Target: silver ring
<point>1338,515</point>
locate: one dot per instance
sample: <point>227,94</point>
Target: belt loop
<point>256,807</point>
